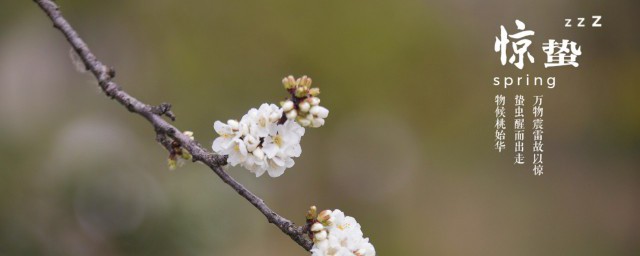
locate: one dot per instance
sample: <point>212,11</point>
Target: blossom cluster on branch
<point>335,234</point>
<point>268,138</point>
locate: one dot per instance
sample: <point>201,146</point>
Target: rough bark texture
<point>165,132</point>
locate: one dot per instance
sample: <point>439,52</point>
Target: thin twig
<point>165,132</point>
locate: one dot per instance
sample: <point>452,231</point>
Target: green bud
<point>301,92</point>
<point>314,92</point>
<point>186,155</point>
<point>311,214</point>
<point>172,164</point>
<point>305,81</point>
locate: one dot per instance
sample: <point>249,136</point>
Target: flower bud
<point>292,114</point>
<point>305,81</point>
<point>304,122</point>
<point>316,227</point>
<point>304,106</point>
<point>319,111</point>
<point>314,101</point>
<point>287,106</point>
<point>312,212</point>
<point>185,154</point>
<point>274,117</point>
<point>189,134</point>
<point>314,92</point>
<point>301,92</point>
<point>317,122</point>
<point>319,236</point>
<point>172,164</point>
<point>251,142</point>
<point>243,128</point>
<point>323,216</point>
<point>291,80</point>
<point>286,83</point>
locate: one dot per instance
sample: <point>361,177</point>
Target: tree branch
<point>166,132</point>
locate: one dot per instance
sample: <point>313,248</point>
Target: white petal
<point>260,171</point>
<point>251,142</point>
<point>319,111</point>
<point>276,171</point>
<point>317,122</point>
<point>264,108</point>
<point>289,162</point>
<point>233,124</point>
<point>235,159</point>
<point>258,153</point>
<point>304,122</point>
<point>270,149</point>
<point>242,146</point>
<point>217,145</point>
<point>221,128</point>
<point>292,127</point>
<point>277,160</point>
<point>295,150</point>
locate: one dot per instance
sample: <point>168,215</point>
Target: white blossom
<point>258,143</point>
<point>340,235</point>
<point>226,136</point>
<point>261,120</point>
<point>284,139</point>
<point>267,139</point>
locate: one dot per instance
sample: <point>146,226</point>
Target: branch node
<point>110,89</point>
<point>162,139</point>
<point>163,109</point>
<point>220,160</point>
<point>111,71</point>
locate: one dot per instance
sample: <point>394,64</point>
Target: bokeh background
<point>407,148</point>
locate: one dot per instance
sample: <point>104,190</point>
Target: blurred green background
<point>407,148</point>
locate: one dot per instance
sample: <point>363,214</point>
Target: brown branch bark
<point>165,131</point>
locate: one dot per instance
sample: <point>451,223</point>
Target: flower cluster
<point>334,233</point>
<point>304,104</point>
<point>268,138</point>
<point>258,143</point>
